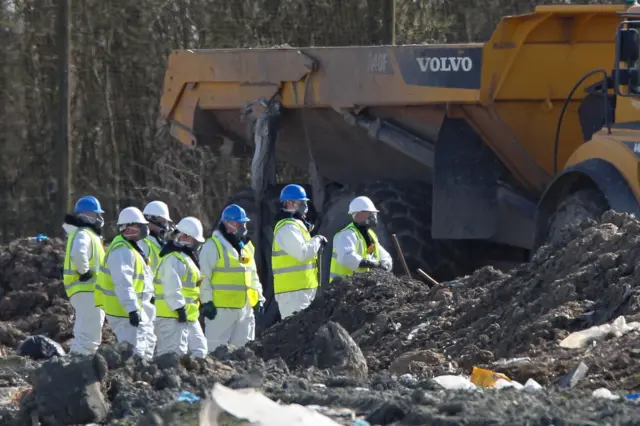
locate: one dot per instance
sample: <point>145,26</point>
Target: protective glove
<point>386,266</point>
<point>152,300</point>
<point>322,239</point>
<point>209,310</point>
<point>260,308</point>
<point>134,318</point>
<point>366,263</point>
<point>182,314</point>
<point>86,276</point>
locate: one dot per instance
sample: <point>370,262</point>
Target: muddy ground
<point>399,326</point>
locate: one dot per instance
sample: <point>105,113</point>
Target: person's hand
<point>134,318</point>
<point>86,276</point>
<point>322,239</point>
<point>366,263</point>
<point>261,308</point>
<point>209,311</point>
<point>182,314</point>
<point>386,266</point>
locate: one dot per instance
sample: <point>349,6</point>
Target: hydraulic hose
<point>605,92</point>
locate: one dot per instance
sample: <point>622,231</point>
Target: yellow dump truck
<point>476,153</point>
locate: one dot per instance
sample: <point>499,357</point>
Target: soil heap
<point>399,326</point>
<point>32,296</point>
<point>584,279</point>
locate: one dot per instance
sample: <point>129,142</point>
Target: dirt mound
<point>32,296</point>
<point>584,279</point>
<point>116,388</point>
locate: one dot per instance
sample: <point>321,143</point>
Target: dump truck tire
<point>405,210</point>
<point>587,203</point>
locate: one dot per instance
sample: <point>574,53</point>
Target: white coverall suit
<point>234,326</point>
<point>348,251</point>
<point>292,242</point>
<point>87,329</point>
<point>174,336</point>
<point>121,263</point>
<point>146,250</point>
<point>145,247</point>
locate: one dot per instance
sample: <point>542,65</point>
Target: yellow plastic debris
<point>486,378</point>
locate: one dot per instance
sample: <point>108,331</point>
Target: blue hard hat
<point>88,204</point>
<point>234,213</point>
<point>293,192</point>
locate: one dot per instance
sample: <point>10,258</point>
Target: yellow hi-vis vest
<point>154,254</point>
<point>105,294</point>
<point>232,277</point>
<point>289,274</point>
<point>364,251</point>
<point>71,277</point>
<point>191,280</point>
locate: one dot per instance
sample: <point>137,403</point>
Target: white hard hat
<point>362,204</point>
<point>157,208</point>
<point>192,227</point>
<point>131,215</point>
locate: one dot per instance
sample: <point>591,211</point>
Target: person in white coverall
<point>177,285</point>
<point>231,288</point>
<point>356,247</point>
<point>160,226</point>
<point>125,285</point>
<point>83,257</point>
<point>294,254</point>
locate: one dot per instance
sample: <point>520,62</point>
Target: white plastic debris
<point>502,384</point>
<point>511,361</point>
<point>454,382</point>
<point>580,339</point>
<point>532,385</point>
<point>251,405</point>
<point>604,393</point>
<point>415,330</point>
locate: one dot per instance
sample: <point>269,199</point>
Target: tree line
<point>120,153</point>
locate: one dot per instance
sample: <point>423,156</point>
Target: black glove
<point>260,309</point>
<point>366,263</point>
<point>182,314</point>
<point>152,300</point>
<point>209,311</point>
<point>86,276</point>
<point>134,318</point>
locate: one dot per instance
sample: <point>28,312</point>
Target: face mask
<point>302,209</point>
<point>371,220</point>
<point>144,231</point>
<point>241,231</point>
<point>99,222</point>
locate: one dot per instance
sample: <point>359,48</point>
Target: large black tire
<point>586,203</point>
<point>405,210</point>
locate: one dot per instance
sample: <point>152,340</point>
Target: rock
<point>402,364</point>
<point>40,347</point>
<point>388,412</point>
<point>336,350</point>
<point>69,392</point>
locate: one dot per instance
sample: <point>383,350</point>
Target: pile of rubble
<point>32,297</point>
<point>369,347</point>
<point>405,326</point>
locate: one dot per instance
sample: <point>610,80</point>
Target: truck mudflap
<point>472,198</point>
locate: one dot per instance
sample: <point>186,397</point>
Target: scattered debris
<point>375,348</point>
